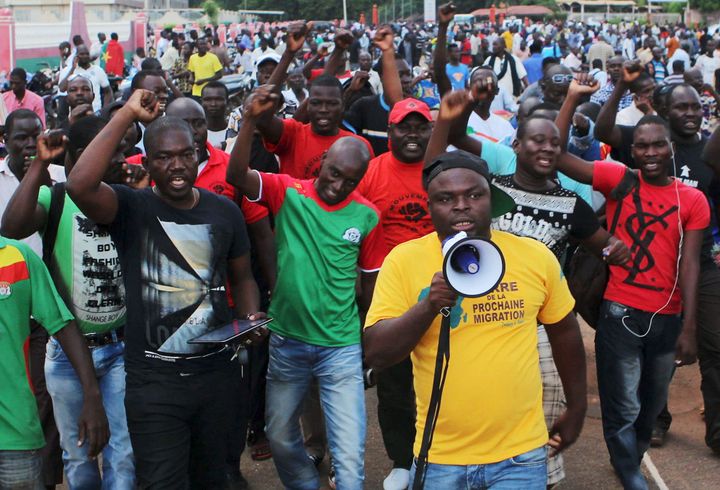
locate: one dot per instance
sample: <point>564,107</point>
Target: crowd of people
<point>152,214</point>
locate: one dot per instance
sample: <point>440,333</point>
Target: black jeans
<point>396,412</point>
<point>708,325</point>
<point>178,426</point>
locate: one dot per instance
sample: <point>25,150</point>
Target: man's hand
<point>136,176</point>
<point>260,102</point>
<point>50,145</point>
<point>686,347</point>
<point>483,88</point>
<point>446,13</point>
<point>144,106</point>
<point>566,430</point>
<point>93,428</point>
<point>323,50</point>
<point>616,252</point>
<point>580,122</point>
<point>296,34</point>
<point>257,336</point>
<point>358,81</point>
<point>384,39</point>
<point>583,86</point>
<point>631,71</point>
<point>440,295</point>
<point>454,104</point>
<point>343,39</point>
<point>644,103</point>
<point>81,111</point>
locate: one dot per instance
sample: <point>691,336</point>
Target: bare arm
<point>392,87</point>
<point>605,128</point>
<point>93,424</point>
<point>367,286</point>
<point>569,354</point>
<point>295,40</point>
<point>445,15</point>
<point>62,86</point>
<point>343,40</point>
<point>263,240</point>
<point>308,68</point>
<point>689,273</point>
<point>84,185</point>
<point>242,286</point>
<point>390,341</point>
<point>107,95</point>
<point>452,107</point>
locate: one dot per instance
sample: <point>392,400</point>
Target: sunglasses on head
<point>560,78</point>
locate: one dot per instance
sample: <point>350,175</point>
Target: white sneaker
<point>398,479</point>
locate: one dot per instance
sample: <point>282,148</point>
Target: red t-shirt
<point>396,189</point>
<point>343,77</point>
<point>653,237</point>
<point>466,47</point>
<point>301,149</point>
<point>212,178</point>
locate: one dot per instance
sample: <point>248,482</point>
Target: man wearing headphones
<point>641,335</point>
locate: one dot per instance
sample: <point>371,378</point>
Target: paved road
<point>683,463</point>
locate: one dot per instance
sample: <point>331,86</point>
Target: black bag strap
<point>57,202</point>
<point>443,357</point>
<point>629,182</point>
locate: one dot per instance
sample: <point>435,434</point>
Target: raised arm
<point>84,185</point>
<point>23,216</point>
<point>239,173</point>
<point>63,85</point>
<point>322,51</point>
<point>343,40</point>
<point>574,167</point>
<point>392,88</point>
<point>445,14</point>
<point>452,107</point>
<point>297,31</point>
<point>605,128</point>
<point>581,86</point>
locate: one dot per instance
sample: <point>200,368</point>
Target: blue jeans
<point>21,470</point>
<point>633,378</point>
<point>338,370</point>
<point>67,396</point>
<point>527,471</point>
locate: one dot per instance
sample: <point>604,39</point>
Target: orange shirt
<point>395,188</point>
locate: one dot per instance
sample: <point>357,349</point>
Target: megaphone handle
<point>445,311</point>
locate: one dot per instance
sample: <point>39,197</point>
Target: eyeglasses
<point>560,78</point>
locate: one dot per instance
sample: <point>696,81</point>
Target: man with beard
<point>325,231</point>
<point>179,248</point>
<point>393,183</point>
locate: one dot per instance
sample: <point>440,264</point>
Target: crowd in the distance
<point>164,202</point>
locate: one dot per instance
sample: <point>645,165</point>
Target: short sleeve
<point>353,119</point>
<point>191,63</point>
<point>607,175</point>
<point>584,220</point>
<point>291,128</point>
<point>44,196</point>
<point>252,212</point>
<point>272,189</point>
<point>520,68</point>
<point>558,300</point>
<point>373,249</point>
<point>390,297</point>
<point>216,65</point>
<point>699,214</point>
<point>47,307</point>
<point>582,190</point>
<point>501,159</point>
<point>102,77</point>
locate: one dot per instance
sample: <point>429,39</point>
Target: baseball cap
<point>274,57</point>
<point>500,201</point>
<point>407,106</point>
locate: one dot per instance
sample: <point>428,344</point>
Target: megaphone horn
<point>472,266</point>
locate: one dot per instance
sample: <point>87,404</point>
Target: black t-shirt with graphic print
<point>174,264</point>
<point>550,217</point>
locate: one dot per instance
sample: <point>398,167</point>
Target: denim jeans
<point>527,471</point>
<point>21,470</point>
<point>67,396</point>
<point>338,370</point>
<point>633,378</point>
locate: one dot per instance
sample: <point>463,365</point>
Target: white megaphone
<point>472,266</point>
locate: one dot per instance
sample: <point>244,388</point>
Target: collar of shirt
<point>5,168</point>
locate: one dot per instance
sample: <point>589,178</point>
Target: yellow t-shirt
<point>508,37</point>
<point>491,407</point>
<point>203,67</point>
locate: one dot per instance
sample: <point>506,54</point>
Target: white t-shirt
<point>97,77</point>
<point>216,138</point>
<point>708,65</point>
<point>629,116</point>
<point>506,81</point>
<point>494,128</point>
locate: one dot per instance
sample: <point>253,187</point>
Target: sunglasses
<point>560,78</point>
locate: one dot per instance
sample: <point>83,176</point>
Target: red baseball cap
<point>407,106</point>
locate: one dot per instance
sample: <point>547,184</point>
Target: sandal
<point>260,448</point>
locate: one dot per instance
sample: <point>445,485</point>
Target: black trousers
<point>178,426</point>
<point>396,412</point>
<point>51,452</point>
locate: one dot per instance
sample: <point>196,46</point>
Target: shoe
<point>235,480</point>
<point>398,479</point>
<point>657,438</point>
<point>331,475</point>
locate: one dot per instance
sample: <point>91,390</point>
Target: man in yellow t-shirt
<point>204,66</point>
<point>490,428</point>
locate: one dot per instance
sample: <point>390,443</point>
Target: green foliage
<point>676,7</point>
<point>212,10</point>
<point>705,5</point>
